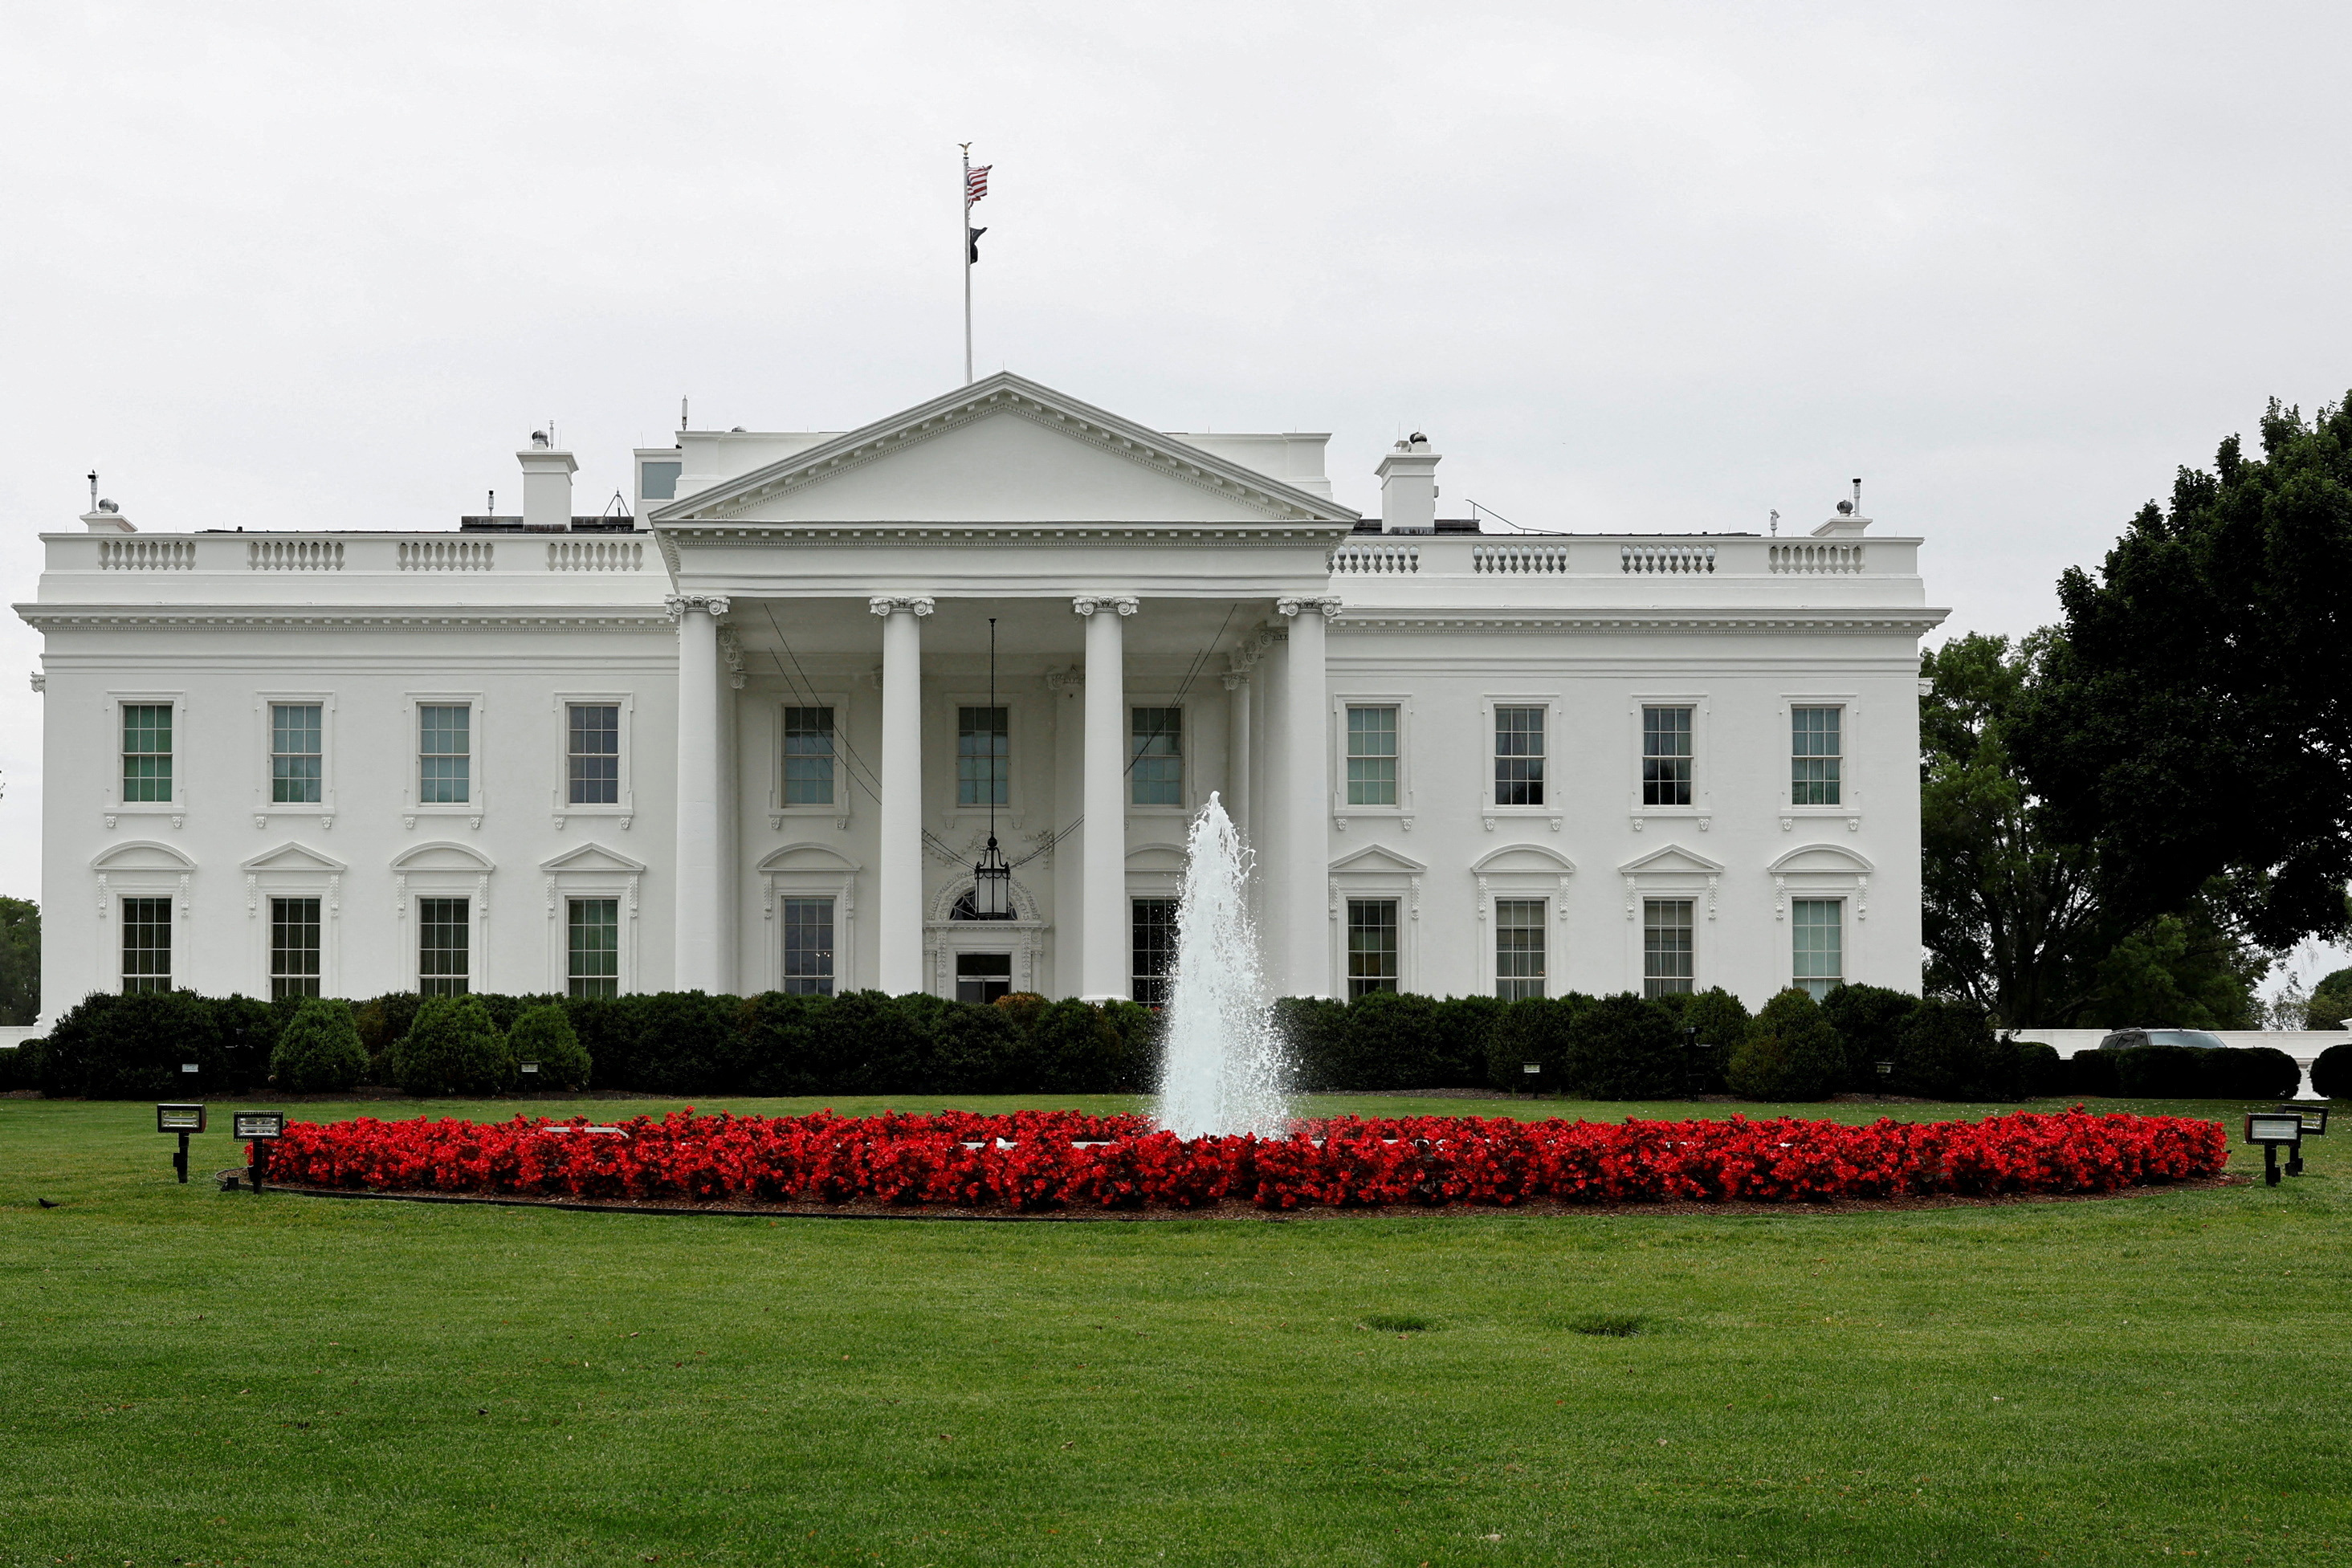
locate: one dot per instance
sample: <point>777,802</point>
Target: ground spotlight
<point>184,1120</point>
<point>259,1128</point>
<point>2272,1130</point>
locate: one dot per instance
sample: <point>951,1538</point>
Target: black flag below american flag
<point>974,235</point>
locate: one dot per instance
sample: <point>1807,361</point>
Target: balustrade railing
<point>1368,559</point>
<point>1815,558</point>
<point>447,554</point>
<point>293,555</point>
<point>1667,558</point>
<point>146,554</point>
<point>595,555</point>
<point>1520,558</point>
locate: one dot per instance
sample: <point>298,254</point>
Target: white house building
<point>746,739</point>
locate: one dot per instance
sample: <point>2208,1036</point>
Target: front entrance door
<point>982,977</point>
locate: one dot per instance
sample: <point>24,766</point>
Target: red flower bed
<point>1052,1159</point>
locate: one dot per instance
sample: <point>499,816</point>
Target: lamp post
<point>186,1120</point>
<point>2272,1130</point>
<point>259,1128</point>
<point>1532,1071</point>
<point>991,878</point>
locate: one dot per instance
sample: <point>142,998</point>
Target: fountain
<point>1221,1065</point>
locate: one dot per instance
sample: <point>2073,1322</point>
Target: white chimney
<point>1847,523</point>
<point>106,517</point>
<point>1408,487</point>
<point>546,486</point>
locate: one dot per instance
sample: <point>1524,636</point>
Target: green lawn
<point>201,1377</point>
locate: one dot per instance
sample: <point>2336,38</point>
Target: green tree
<point>2331,1001</point>
<point>20,961</point>
<point>2195,719</point>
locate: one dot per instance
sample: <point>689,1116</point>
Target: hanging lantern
<point>991,884</point>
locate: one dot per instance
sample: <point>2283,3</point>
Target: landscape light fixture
<point>991,878</point>
<point>259,1128</point>
<point>2315,1125</point>
<point>530,1067</point>
<point>184,1120</point>
<point>2272,1130</point>
<point>1532,1071</point>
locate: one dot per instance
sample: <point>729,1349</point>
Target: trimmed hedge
<point>320,1049</point>
<point>1791,1053</point>
<point>2332,1074</point>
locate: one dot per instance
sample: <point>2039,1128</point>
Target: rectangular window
<point>1371,756</point>
<point>982,746</point>
<point>1518,948</point>
<point>1666,757</point>
<point>1154,949</point>
<point>297,748</point>
<point>293,947</point>
<point>1371,944</point>
<point>594,942</point>
<point>146,751</point>
<point>593,753</point>
<point>808,756</point>
<point>1819,936</point>
<point>146,945</point>
<point>1158,749</point>
<point>1518,756</point>
<point>444,940</point>
<point>984,976</point>
<point>1816,750</point>
<point>444,756</point>
<point>1666,966</point>
<point>808,946</point>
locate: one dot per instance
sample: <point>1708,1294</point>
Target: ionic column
<point>1102,886</point>
<point>698,964</point>
<point>1302,861</point>
<point>1237,750</point>
<point>899,892</point>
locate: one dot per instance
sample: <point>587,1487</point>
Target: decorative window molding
<point>944,936</point>
<point>294,869</point>
<point>1551,812</point>
<point>1376,871</point>
<point>1822,870</point>
<point>1701,808</point>
<point>1672,872</point>
<point>1524,870</point>
<point>444,869</point>
<point>623,811</point>
<point>265,803</point>
<point>113,806</point>
<point>140,868</point>
<point>589,870</point>
<point>477,768</point>
<point>1402,811</point>
<point>810,870</point>
<point>1849,806</point>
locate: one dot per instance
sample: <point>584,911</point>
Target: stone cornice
<point>1881,622</point>
<point>71,617</point>
<point>996,536</point>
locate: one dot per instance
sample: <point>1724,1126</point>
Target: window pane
<point>592,757</point>
<point>1819,938</point>
<point>1666,757</point>
<point>984,976</point>
<point>1156,778</point>
<point>1666,955</point>
<point>1518,948</point>
<point>808,946</point>
<point>1154,949</point>
<point>293,947</point>
<point>1816,750</point>
<point>296,740</point>
<point>1371,756</point>
<point>444,755</point>
<point>146,751</point>
<point>594,942</point>
<point>981,744</point>
<point>146,945</point>
<point>1518,756</point>
<point>1371,946</point>
<point>443,945</point>
<point>808,756</point>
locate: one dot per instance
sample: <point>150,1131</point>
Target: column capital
<point>1237,679</point>
<point>1326,605</point>
<point>1088,603</point>
<point>714,604</point>
<point>884,603</point>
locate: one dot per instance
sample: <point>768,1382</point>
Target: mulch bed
<point>868,1209</point>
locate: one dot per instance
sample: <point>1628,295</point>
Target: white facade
<point>438,685</point>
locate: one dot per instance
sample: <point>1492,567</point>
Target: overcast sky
<point>1664,266</point>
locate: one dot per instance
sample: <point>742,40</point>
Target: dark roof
<point>515,526</point>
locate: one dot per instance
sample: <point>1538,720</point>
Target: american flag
<point>975,183</point>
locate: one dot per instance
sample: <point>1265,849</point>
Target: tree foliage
<point>20,961</point>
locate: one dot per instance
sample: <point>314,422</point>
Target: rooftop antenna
<point>681,416</point>
<point>1776,524</point>
<point>93,490</point>
<point>490,506</point>
<point>1857,497</point>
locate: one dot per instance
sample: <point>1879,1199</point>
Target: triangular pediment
<point>1378,858</point>
<point>1672,861</point>
<point>1004,450</point>
<point>592,856</point>
<point>293,857</point>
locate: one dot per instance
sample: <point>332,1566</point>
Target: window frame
<point>318,976</point>
<point>623,806</point>
<point>1701,758</point>
<point>806,868</point>
<point>1802,982</point>
<point>590,870</point>
<point>571,900</point>
<point>471,925</point>
<point>1402,810</point>
<point>1020,743</point>
<point>122,926</point>
<point>1850,723</point>
<point>844,785</point>
<point>265,804</point>
<point>1185,738</point>
<point>1351,903</point>
<point>175,808</point>
<point>1653,986</point>
<point>1541,979</point>
<point>833,948</point>
<point>1551,812</point>
<point>294,869</point>
<point>412,803</point>
<point>1137,979</point>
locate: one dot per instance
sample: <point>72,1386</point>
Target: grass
<point>199,1377</point>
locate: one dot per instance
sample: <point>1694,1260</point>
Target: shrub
<point>1622,1047</point>
<point>2093,1072</point>
<point>1387,1039</point>
<point>1533,1028</point>
<point>1791,1053</point>
<point>20,1066</point>
<point>452,1049</point>
<point>545,1034</point>
<point>1721,1020</point>
<point>1464,1027</point>
<point>981,1049</point>
<point>1079,1049</point>
<point>110,1047</point>
<point>246,1032</point>
<point>2331,1076</point>
<point>2255,1072</point>
<point>1311,1028</point>
<point>383,1022</point>
<point>862,1043</point>
<point>1947,1050</point>
<point>320,1051</point>
<point>684,1043</point>
<point>1138,1028</point>
<point>778,1041</point>
<point>2163,1071</point>
<point>1869,1019</point>
<point>2044,1069</point>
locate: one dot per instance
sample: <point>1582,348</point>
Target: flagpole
<point>965,239</point>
